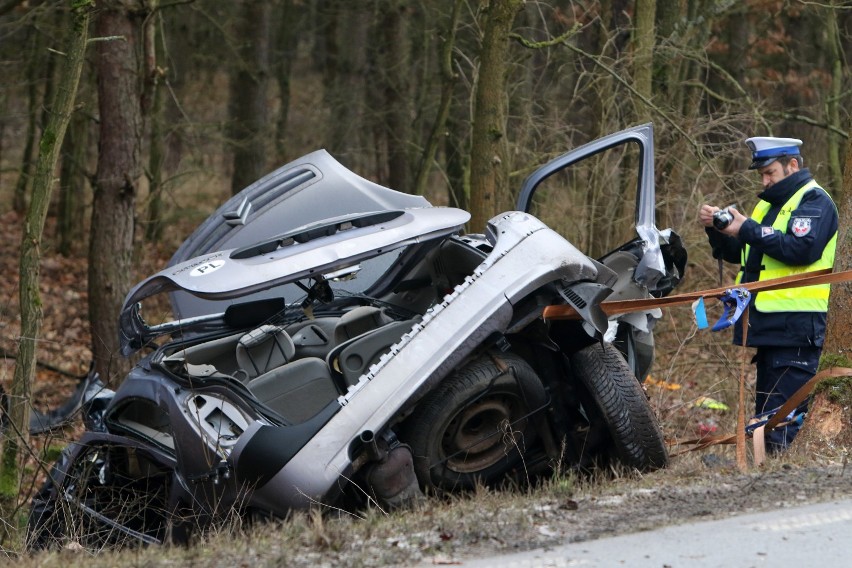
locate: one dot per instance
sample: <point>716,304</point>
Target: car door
<point>601,197</point>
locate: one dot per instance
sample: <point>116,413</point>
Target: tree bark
<point>153,110</point>
<point>393,72</point>
<point>30,254</point>
<point>833,102</point>
<point>345,42</point>
<point>290,20</point>
<point>489,175</point>
<point>643,54</point>
<point>19,201</point>
<point>819,431</point>
<point>72,185</point>
<point>448,83</point>
<point>117,178</point>
<point>249,111</point>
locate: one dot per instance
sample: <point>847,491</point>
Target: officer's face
<point>775,172</point>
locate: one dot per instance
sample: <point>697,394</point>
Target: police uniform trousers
<point>781,371</point>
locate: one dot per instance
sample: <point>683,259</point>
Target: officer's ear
<point>794,165</point>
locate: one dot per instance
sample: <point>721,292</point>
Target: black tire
<point>109,497</point>
<point>633,428</point>
<point>637,348</point>
<point>458,433</point>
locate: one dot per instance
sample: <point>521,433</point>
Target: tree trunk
<point>835,92</point>
<point>489,154</point>
<point>448,83</point>
<point>249,112</point>
<point>19,201</point>
<point>116,180</point>
<point>827,432</point>
<point>286,42</point>
<point>156,160</point>
<point>457,160</point>
<point>345,42</point>
<point>72,185</point>
<point>643,58</point>
<point>393,72</point>
<point>828,420</point>
<point>668,61</point>
<point>30,255</point>
<point>153,107</point>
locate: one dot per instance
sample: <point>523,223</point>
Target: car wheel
<point>637,348</point>
<point>621,402</point>
<point>110,497</point>
<point>475,426</point>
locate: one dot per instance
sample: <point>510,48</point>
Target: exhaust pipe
<point>389,473</point>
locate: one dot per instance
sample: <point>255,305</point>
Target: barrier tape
<point>774,421</point>
<point>826,276</point>
<point>565,312</point>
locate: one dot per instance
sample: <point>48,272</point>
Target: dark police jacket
<point>781,329</point>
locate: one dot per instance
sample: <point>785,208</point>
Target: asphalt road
<point>810,535</point>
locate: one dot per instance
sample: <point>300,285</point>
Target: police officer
<point>793,229</point>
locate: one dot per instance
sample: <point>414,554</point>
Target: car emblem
<point>239,215</point>
<point>801,226</point>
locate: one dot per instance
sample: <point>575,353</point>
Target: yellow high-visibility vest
<point>806,298</point>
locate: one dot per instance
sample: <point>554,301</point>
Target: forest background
<point>181,103</point>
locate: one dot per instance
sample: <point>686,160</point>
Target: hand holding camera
<point>723,217</point>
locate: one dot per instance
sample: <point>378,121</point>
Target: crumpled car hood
<point>238,272</point>
<point>309,217</point>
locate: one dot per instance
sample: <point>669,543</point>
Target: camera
<point>722,218</point>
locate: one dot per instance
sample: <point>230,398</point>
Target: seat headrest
<point>358,321</point>
<point>264,349</point>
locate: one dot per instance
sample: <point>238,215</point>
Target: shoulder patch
<point>801,226</point>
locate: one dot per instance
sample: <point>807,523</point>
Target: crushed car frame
<point>335,341</point>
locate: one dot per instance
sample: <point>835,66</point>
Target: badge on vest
<point>801,226</point>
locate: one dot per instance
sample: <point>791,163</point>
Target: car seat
<point>262,350</point>
<point>296,390</point>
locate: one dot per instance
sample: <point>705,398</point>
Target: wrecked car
<point>337,342</point>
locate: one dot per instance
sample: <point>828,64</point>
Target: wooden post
<point>742,461</point>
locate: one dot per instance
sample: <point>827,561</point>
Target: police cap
<point>767,149</point>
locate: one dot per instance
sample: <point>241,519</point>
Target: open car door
<point>599,196</point>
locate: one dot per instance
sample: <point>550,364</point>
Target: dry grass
<point>487,522</point>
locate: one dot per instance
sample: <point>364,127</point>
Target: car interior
<point>296,368</point>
